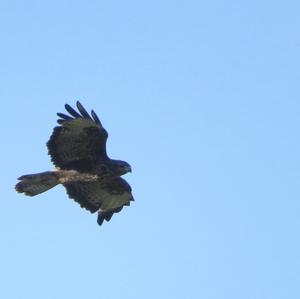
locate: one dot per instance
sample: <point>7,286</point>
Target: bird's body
<point>78,150</point>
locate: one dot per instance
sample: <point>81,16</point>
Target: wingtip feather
<point>96,118</point>
<point>100,218</point>
<point>73,112</point>
<point>64,116</point>
<point>82,110</point>
<point>81,114</point>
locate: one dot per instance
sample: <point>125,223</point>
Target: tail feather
<point>33,184</point>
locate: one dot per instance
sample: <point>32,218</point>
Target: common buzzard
<point>78,150</point>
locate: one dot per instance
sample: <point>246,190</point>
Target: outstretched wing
<point>79,142</point>
<point>107,197</point>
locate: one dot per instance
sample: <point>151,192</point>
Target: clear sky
<point>202,99</point>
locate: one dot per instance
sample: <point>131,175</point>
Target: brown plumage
<point>78,150</point>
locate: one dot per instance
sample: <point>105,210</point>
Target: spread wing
<point>79,142</point>
<point>107,197</point>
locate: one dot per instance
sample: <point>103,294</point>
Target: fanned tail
<point>33,184</point>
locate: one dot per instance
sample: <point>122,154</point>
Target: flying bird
<point>78,150</point>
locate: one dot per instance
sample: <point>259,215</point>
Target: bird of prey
<point>78,150</point>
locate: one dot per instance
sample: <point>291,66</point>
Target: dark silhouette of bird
<point>78,150</point>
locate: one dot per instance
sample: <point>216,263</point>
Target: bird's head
<point>120,167</point>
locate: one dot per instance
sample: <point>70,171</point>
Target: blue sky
<point>202,99</point>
